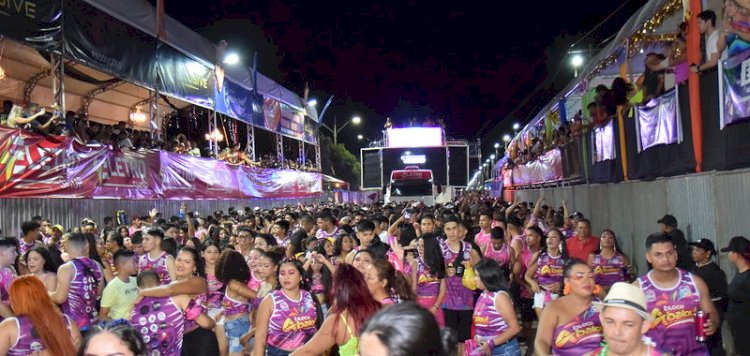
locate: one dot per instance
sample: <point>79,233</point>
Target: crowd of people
<point>49,121</point>
<point>477,276</point>
<point>719,39</point>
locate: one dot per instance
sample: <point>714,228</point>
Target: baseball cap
<point>705,244</point>
<point>737,244</point>
<point>668,220</point>
<point>628,296</point>
<point>58,228</point>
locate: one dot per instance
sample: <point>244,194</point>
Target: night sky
<point>469,63</point>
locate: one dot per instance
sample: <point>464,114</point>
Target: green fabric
<point>350,347</point>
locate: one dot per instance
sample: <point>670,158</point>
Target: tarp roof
<point>141,15</point>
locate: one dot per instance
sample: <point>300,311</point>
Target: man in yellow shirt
<point>120,293</point>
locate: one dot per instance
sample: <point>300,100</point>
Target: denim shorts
<point>234,329</point>
<point>275,351</point>
<point>510,348</point>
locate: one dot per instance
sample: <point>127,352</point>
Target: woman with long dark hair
<point>362,259</point>
<point>38,325</point>
<point>116,338</point>
<point>428,274</point>
<point>341,248</point>
<point>494,318</point>
<point>234,273</point>
<point>351,305</point>
<point>287,317</point>
<point>571,314</point>
<point>545,272</point>
<point>215,293</point>
<point>610,264</point>
<point>318,272</point>
<point>387,285</point>
<point>40,264</point>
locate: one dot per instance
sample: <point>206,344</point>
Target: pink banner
<point>546,168</point>
<point>58,167</point>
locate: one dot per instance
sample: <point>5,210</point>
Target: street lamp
<point>231,58</point>
<point>336,129</point>
<point>516,126</point>
<point>506,138</point>
<point>360,137</point>
<point>312,102</point>
<point>497,145</point>
<point>492,156</point>
<point>576,61</point>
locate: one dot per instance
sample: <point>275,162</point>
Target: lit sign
<point>415,159</point>
<point>411,174</point>
<point>415,137</point>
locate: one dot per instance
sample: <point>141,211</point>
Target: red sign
<point>422,174</point>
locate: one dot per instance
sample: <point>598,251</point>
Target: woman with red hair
<point>351,305</point>
<point>36,327</point>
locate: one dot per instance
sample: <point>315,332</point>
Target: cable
<point>601,23</point>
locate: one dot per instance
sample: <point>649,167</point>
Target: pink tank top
<point>608,271</point>
<point>502,256</point>
<point>579,336</point>
<point>487,319</point>
<point>213,300</point>
<point>482,239</point>
<point>428,285</point>
<point>145,263</point>
<point>549,270</point>
<point>234,307</point>
<point>292,322</point>
<point>673,311</point>
<point>525,256</point>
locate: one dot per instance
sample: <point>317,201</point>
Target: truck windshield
<point>408,188</point>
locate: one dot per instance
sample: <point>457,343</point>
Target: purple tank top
<point>195,308</point>
<point>608,271</point>
<point>292,322</point>
<point>428,285</point>
<point>213,300</point>
<point>457,297</point>
<point>579,336</point>
<point>24,247</point>
<point>28,342</point>
<point>161,323</point>
<point>234,307</point>
<point>549,270</point>
<point>322,234</point>
<point>673,310</point>
<point>81,303</point>
<point>317,286</point>
<point>502,256</point>
<point>159,266</point>
<point>6,278</point>
<point>487,319</point>
<point>254,284</point>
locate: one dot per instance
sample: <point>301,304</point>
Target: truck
<point>411,184</point>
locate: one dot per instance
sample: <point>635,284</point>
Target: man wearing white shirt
<point>707,26</point>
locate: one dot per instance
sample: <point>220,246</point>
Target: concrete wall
<point>712,205</point>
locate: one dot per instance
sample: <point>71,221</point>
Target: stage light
<point>576,60</point>
<point>231,58</point>
<point>312,102</point>
<point>356,120</point>
<point>416,159</point>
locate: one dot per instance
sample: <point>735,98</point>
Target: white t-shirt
<point>712,46</point>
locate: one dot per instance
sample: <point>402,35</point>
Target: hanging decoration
<point>644,36</point>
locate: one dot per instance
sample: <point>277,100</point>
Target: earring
<point>566,289</point>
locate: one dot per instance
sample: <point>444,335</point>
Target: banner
<point>59,167</point>
<point>603,138</point>
<point>734,89</point>
<point>546,168</point>
<point>185,78</point>
<point>239,102</point>
<point>658,121</point>
<point>292,122</point>
<point>34,22</point>
<point>107,44</point>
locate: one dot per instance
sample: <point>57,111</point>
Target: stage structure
<point>424,147</point>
